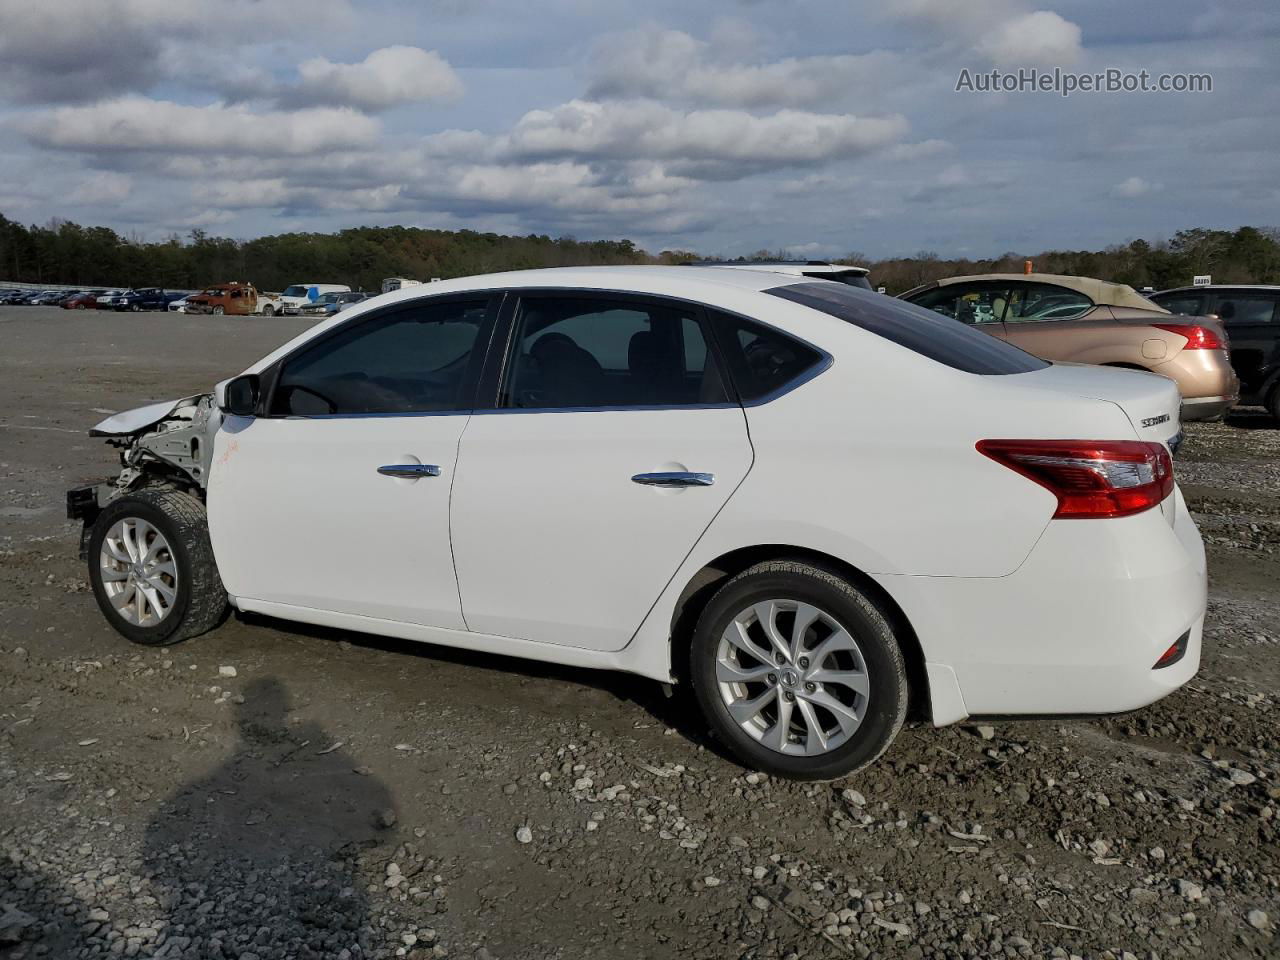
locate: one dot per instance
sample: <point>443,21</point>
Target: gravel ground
<point>273,791</point>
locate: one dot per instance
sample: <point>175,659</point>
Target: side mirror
<point>240,395</point>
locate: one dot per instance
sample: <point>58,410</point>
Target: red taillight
<point>1198,338</point>
<point>1090,478</point>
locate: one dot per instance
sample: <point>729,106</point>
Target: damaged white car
<point>691,474</point>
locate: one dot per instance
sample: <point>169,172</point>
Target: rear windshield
<point>854,278</point>
<point>922,331</point>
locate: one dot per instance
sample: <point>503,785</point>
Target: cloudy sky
<point>818,126</point>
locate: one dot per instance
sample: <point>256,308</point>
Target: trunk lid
<point>1151,402</point>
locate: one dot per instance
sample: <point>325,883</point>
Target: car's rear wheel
<point>151,567</point>
<point>268,311</point>
<point>218,311</point>
<point>798,672</point>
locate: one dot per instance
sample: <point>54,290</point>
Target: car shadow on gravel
<point>259,857</point>
<point>672,707</point>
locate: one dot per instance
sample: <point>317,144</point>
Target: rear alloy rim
<point>792,677</point>
<point>139,572</point>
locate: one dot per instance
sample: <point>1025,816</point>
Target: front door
<point>337,497</point>
<point>612,447</point>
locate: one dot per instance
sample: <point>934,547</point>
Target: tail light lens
<point>1198,338</point>
<point>1090,478</point>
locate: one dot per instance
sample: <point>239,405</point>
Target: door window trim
<point>477,363</point>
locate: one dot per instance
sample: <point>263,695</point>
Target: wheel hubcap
<point>139,572</point>
<point>792,677</point>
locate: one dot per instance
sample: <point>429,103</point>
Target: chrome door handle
<point>674,479</point>
<point>410,471</point>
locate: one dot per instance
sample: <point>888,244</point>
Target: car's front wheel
<point>268,311</point>
<point>798,672</point>
<point>151,567</point>
<point>218,311</point>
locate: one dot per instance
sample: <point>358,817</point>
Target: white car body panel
<point>561,558</point>
<point>299,515</point>
<point>139,418</point>
<point>581,550</point>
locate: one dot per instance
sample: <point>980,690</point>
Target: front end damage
<point>168,444</point>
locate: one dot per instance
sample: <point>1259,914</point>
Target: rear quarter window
<point>918,329</point>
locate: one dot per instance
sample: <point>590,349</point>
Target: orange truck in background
<point>235,299</point>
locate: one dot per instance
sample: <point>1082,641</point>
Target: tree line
<point>63,252</point>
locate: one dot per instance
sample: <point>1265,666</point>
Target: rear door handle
<point>410,471</point>
<point>674,479</point>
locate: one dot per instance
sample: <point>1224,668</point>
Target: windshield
<point>297,290</point>
<point>920,330</point>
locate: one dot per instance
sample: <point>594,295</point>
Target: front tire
<point>798,672</point>
<point>218,311</point>
<point>152,570</point>
<point>268,311</point>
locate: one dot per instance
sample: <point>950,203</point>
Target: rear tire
<point>152,570</point>
<point>843,707</point>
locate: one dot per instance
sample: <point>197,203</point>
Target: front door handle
<point>673,478</point>
<point>410,471</point>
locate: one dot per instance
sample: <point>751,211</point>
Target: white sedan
<point>810,502</point>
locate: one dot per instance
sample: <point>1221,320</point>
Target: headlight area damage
<point>164,443</point>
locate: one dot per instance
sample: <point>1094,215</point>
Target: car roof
<point>1221,286</point>
<point>1099,291</point>
<point>793,267</point>
<point>675,281</point>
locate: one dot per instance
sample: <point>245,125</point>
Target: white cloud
<point>693,140</point>
<point>1041,39</point>
<point>132,124</point>
<point>385,78</point>
<point>102,187</point>
<point>1004,33</point>
<point>54,51</point>
<point>672,65</point>
<point>1135,187</point>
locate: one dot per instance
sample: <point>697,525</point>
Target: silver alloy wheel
<point>139,572</point>
<point>792,677</point>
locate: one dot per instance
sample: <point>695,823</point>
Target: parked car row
<point>133,299</point>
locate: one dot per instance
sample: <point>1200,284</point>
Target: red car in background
<point>82,301</point>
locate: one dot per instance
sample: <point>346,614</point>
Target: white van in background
<point>398,283</point>
<point>298,295</point>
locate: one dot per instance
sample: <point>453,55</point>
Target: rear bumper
<point>1207,408</point>
<point>1076,629</point>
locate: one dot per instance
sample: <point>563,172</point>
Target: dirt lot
<point>274,791</point>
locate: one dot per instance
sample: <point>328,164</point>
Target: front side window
<point>576,351</point>
<point>917,329</point>
<point>415,360</point>
<point>972,303</point>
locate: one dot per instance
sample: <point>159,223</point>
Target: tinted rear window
<point>922,331</point>
<point>852,277</point>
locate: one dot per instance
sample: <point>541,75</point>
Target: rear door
<point>610,445</point>
<point>1250,319</point>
